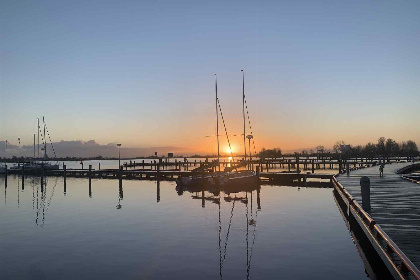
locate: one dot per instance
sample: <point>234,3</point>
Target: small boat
<point>35,166</point>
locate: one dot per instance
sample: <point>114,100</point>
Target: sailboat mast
<point>34,145</point>
<point>45,140</point>
<point>217,128</point>
<point>243,107</point>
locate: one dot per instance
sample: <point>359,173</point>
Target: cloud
<point>79,148</point>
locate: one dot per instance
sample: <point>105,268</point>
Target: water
<point>143,231</point>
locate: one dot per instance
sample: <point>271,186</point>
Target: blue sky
<point>142,72</point>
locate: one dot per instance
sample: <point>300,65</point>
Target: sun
<point>228,150</point>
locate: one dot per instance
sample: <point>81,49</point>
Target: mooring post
<point>313,166</point>
<point>365,186</point>
<point>99,166</point>
<point>348,168</point>
<point>339,166</point>
<point>158,170</point>
<point>258,199</point>
<point>288,164</point>
<point>90,180</point>
<point>65,175</point>
<point>297,164</point>
<point>258,171</point>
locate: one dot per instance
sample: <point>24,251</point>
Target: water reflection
<point>43,204</point>
<point>217,195</point>
<point>120,195</point>
<point>216,229</point>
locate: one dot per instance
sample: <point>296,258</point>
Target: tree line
<point>383,148</point>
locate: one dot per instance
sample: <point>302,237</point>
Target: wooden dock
<point>395,205</point>
<point>290,178</point>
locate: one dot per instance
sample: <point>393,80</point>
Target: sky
<point>142,73</point>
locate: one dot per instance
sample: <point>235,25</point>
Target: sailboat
<point>39,165</point>
<point>233,176</point>
<point>230,177</point>
<point>204,175</point>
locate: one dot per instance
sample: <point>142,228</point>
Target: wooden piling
<point>23,177</point>
<point>90,180</point>
<point>65,175</point>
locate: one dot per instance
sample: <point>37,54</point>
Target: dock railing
<point>396,261</point>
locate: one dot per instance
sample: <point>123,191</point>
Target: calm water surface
<point>146,231</point>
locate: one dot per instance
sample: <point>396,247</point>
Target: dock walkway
<point>395,205</point>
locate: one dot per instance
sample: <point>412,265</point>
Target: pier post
<point>339,166</point>
<point>258,199</point>
<point>288,164</point>
<point>203,201</point>
<point>65,175</point>
<point>365,186</point>
<point>297,164</point>
<point>348,168</point>
<point>90,180</point>
<point>258,171</point>
<point>313,166</point>
<point>23,177</point>
<point>99,167</point>
<point>158,171</point>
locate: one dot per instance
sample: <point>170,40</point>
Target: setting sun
<point>228,150</point>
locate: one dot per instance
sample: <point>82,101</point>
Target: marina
<point>209,140</point>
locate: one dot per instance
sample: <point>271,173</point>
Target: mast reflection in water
<point>230,195</point>
<point>145,229</point>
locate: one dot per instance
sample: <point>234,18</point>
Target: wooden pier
<point>395,205</point>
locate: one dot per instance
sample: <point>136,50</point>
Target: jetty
<point>390,218</point>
